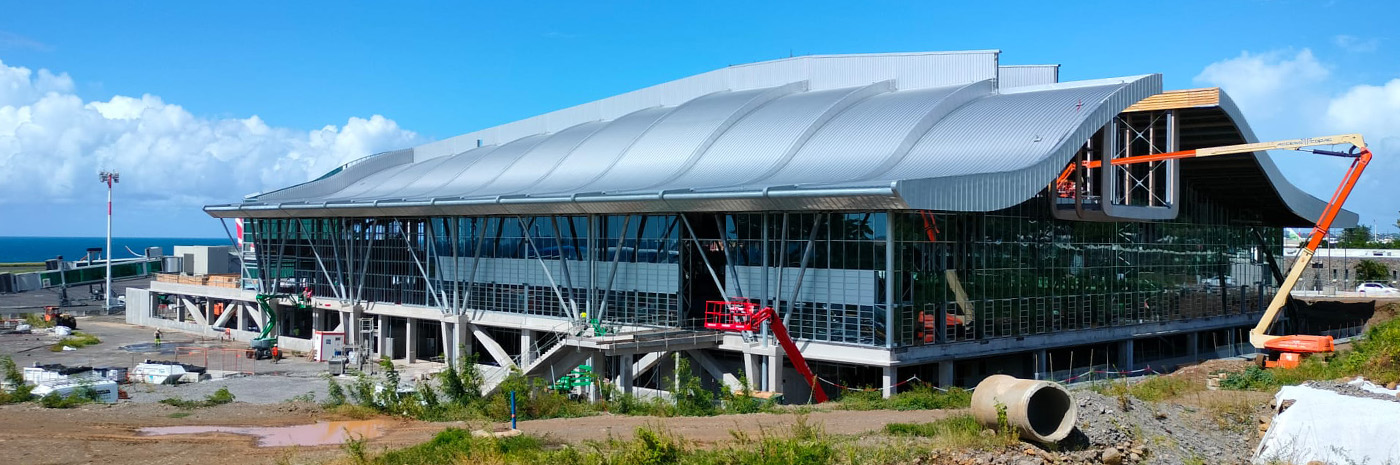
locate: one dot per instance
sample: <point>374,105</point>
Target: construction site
<point>822,235</point>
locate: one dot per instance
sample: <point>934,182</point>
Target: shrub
<point>743,401</point>
<point>919,397</point>
<point>692,399</point>
<point>219,397</point>
<point>77,341</point>
<point>18,391</point>
<point>1251,379</point>
<point>335,395</point>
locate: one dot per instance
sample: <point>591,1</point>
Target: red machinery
<point>741,315</point>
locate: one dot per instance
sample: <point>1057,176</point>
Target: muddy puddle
<point>316,434</point>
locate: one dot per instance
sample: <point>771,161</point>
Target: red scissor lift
<point>742,315</point>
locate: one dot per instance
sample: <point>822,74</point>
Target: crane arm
<point>1360,155</point>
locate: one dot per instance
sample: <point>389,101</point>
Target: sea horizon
<point>39,248</point>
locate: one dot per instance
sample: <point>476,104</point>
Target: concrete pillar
<point>449,350</point>
<point>751,374</point>
<point>625,375</point>
<point>527,347</point>
<point>945,374</point>
<point>383,335</point>
<point>1125,355</point>
<point>410,339</point>
<point>775,373</point>
<point>887,380</point>
<point>239,324</point>
<point>1193,345</point>
<point>465,339</point>
<point>1041,372</point>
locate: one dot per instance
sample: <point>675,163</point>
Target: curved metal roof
<point>901,131</point>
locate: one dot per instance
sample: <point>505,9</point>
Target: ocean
<point>38,249</point>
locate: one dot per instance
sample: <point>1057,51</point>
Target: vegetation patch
<point>77,340</point>
<point>1377,357</point>
<point>14,391</point>
<point>920,397</point>
<point>219,397</point>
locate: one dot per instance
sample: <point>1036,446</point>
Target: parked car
<point>1376,288</point>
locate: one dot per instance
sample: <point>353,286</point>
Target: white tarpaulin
<point>1330,427</point>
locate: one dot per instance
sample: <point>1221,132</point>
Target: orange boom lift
<point>1278,351</point>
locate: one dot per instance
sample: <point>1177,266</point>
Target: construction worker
<point>157,336</point>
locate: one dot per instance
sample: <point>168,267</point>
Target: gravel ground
<point>260,389</point>
<point>1159,432</point>
<point>1350,390</point>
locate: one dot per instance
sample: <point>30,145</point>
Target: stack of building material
<point>230,281</point>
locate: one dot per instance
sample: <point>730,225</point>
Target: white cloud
<point>1290,95</point>
<point>1356,44</point>
<point>1255,81</point>
<point>52,144</point>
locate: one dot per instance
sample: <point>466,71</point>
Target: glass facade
<point>953,277</point>
<point>1020,271</point>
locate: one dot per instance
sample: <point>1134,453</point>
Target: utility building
<point>931,215</point>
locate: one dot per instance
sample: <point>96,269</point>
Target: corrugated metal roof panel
<point>759,141</point>
<point>1027,75</point>
<point>927,131</point>
<point>449,179</point>
<point>591,158</point>
<point>673,143</point>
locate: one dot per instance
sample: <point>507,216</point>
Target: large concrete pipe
<point>1041,410</point>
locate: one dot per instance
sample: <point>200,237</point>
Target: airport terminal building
<point>929,215</point>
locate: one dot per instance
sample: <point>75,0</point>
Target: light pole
<point>109,177</point>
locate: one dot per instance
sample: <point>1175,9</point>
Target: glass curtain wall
<point>533,265</point>
<point>1018,271</point>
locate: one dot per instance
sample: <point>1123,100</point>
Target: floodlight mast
<point>108,177</point>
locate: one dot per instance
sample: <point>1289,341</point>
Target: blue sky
<point>272,93</point>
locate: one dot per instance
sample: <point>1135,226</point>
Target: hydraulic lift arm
<point>780,333</point>
<point>1360,156</point>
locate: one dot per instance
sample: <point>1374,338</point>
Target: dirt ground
<point>108,434</point>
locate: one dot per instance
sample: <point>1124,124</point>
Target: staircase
<point>558,359</point>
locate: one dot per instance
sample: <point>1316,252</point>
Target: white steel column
<point>889,280</point>
<point>383,335</point>
<point>887,381</point>
<point>527,345</point>
<point>593,387</point>
<point>449,349</point>
<point>410,341</point>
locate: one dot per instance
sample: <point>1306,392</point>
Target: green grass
<point>1377,357</point>
<point>77,340</point>
<point>955,432</point>
<point>219,397</point>
<point>21,267</point>
<point>803,444</point>
<point>179,415</point>
<point>920,397</point>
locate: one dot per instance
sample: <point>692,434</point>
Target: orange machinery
<point>1278,351</point>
